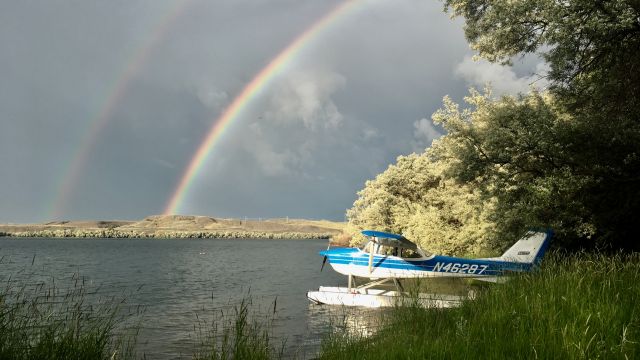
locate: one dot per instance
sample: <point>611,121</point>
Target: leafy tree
<point>593,50</point>
<point>515,149</point>
<point>568,158</point>
<point>414,198</point>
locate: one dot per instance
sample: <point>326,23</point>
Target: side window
<point>410,254</point>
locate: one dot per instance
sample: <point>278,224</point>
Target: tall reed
<point>244,334</point>
<point>43,320</point>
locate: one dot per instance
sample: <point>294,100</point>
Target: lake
<point>175,280</point>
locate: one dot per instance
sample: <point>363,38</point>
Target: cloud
<point>424,133</point>
<point>283,140</point>
<point>502,79</point>
<point>370,134</point>
<point>306,98</point>
<point>424,129</point>
<point>164,163</point>
<point>212,98</point>
<point>273,163</point>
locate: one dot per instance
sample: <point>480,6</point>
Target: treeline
<point>567,157</point>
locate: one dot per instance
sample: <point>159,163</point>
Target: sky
<point>103,104</point>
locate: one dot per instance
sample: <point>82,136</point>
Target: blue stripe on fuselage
<point>444,264</point>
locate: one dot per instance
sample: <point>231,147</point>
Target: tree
<point>568,158</point>
<point>593,50</point>
<point>414,198</point>
<point>515,149</point>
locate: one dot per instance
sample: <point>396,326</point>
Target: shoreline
<point>179,227</point>
<point>118,234</point>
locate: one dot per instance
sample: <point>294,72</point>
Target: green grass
<point>39,320</point>
<point>241,335</point>
<point>577,307</point>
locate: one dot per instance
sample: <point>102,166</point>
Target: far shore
<point>180,227</point>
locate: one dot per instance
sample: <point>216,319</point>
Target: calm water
<point>176,279</point>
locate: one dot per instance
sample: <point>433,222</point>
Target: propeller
<point>324,260</point>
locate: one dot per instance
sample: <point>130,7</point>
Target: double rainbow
<point>97,124</point>
<point>250,92</point>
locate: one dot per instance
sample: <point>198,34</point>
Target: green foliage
<point>593,50</point>
<point>503,167</point>
<point>414,198</point>
<point>578,307</point>
<point>568,158</point>
<point>516,149</point>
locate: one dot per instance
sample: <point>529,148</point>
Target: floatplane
<point>387,259</point>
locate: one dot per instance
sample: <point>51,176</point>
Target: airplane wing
<point>382,234</point>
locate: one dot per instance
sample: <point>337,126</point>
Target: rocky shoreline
<point>117,234</point>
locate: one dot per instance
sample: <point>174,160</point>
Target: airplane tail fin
<point>530,248</point>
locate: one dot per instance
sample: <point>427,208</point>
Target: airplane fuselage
<point>353,261</point>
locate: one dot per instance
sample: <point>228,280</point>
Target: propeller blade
<point>324,260</point>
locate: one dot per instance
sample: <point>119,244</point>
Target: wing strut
<point>371,255</point>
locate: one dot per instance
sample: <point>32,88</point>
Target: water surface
<point>177,279</point>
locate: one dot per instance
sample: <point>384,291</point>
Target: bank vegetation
<point>566,156</point>
<point>574,307</point>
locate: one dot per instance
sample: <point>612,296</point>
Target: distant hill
<point>180,226</point>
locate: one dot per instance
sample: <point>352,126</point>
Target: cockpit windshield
<point>400,251</point>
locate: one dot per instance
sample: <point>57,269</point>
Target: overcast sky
<point>359,95</point>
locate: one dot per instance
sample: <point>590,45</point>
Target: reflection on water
<point>355,321</point>
<point>363,322</point>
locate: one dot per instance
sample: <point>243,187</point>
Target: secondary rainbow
<point>79,160</point>
<point>250,92</point>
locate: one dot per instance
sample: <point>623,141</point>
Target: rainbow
<point>79,160</point>
<point>248,93</point>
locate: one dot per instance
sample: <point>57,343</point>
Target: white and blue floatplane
<point>388,258</point>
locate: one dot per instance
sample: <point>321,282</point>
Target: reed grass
<point>44,320</point>
<point>243,334</point>
<point>576,307</point>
